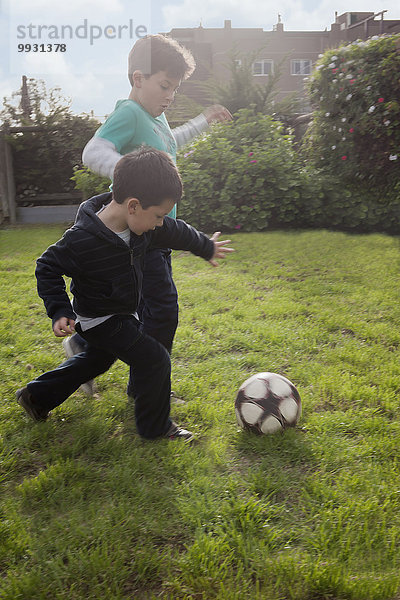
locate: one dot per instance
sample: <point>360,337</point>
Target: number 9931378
<point>42,47</point>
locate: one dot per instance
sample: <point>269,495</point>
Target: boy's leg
<point>159,307</point>
<point>150,367</point>
<point>54,387</point>
<point>75,344</point>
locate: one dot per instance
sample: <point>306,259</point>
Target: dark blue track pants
<point>150,372</point>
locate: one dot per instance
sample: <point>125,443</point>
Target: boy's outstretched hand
<point>220,248</point>
<point>63,327</point>
<point>217,113</point>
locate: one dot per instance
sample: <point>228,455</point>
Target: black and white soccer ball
<point>267,403</point>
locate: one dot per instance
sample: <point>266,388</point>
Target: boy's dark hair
<point>155,53</point>
<point>149,175</point>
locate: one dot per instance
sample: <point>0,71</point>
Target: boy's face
<point>156,92</point>
<point>140,219</point>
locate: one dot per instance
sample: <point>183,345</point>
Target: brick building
<point>295,51</point>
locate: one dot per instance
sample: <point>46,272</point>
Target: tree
<point>242,91</point>
<point>50,141</point>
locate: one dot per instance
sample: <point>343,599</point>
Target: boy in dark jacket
<point>103,253</point>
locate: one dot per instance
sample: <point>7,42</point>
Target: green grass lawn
<point>89,511</point>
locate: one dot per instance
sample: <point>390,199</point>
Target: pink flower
<point>238,227</point>
<point>251,153</point>
<point>253,161</point>
<point>334,70</point>
<point>344,157</point>
<point>381,99</point>
<point>352,81</point>
<point>351,129</point>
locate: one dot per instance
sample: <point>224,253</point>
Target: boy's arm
<point>178,235</point>
<point>50,268</point>
<point>103,151</point>
<point>186,132</point>
<point>101,156</point>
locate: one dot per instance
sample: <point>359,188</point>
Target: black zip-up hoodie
<point>106,274</point>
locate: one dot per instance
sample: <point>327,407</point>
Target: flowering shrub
<point>89,183</point>
<point>355,133</point>
<point>243,175</point>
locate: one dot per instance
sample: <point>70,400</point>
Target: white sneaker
<point>71,348</point>
<point>178,433</point>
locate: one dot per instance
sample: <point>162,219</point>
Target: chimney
<point>279,26</point>
<point>227,24</point>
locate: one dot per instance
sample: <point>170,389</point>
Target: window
<point>263,67</point>
<point>300,66</point>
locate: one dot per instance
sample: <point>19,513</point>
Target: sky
<point>82,45</point>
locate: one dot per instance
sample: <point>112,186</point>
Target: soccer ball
<point>267,403</point>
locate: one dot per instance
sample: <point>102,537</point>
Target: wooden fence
<point>40,208</point>
<point>7,184</point>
